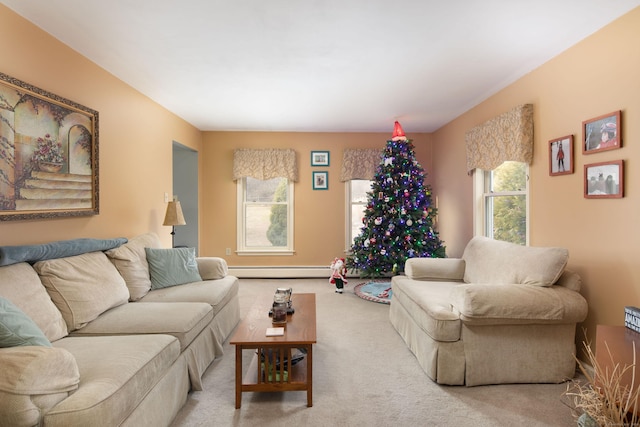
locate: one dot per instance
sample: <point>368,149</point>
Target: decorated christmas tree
<point>398,222</point>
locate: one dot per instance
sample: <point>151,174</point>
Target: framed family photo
<point>319,158</point>
<point>561,156</point>
<point>321,180</point>
<point>48,154</point>
<point>602,133</point>
<point>604,180</point>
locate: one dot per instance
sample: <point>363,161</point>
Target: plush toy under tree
<point>398,222</point>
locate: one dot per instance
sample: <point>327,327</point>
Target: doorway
<point>185,187</point>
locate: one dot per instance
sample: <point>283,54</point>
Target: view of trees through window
<point>266,210</point>
<point>359,189</point>
<point>506,203</point>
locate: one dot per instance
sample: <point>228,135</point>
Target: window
<point>356,204</point>
<point>265,216</point>
<point>502,202</point>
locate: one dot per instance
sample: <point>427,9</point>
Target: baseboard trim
<point>269,272</point>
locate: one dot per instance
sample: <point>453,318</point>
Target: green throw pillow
<point>171,267</point>
<point>16,328</point>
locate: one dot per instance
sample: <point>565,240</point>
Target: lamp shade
<point>174,214</point>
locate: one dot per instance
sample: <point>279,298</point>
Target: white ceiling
<point>319,65</point>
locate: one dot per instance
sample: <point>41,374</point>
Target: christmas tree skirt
<point>374,291</point>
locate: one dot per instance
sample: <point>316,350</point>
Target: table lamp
<point>174,217</point>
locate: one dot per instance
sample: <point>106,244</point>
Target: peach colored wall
<point>135,142</point>
<point>595,77</point>
<point>319,225</point>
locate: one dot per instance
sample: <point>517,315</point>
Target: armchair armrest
<point>491,304</point>
<point>34,379</point>
<point>212,268</point>
<point>440,269</point>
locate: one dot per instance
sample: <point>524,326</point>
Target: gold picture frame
<point>48,154</point>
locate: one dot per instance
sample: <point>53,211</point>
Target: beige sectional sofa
<point>502,313</point>
<point>117,347</point>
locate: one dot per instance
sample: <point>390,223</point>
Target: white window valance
<point>265,164</point>
<point>360,163</point>
<point>508,137</point>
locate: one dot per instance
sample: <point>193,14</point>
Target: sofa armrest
<point>33,380</point>
<point>491,304</point>
<point>440,269</point>
<point>212,268</point>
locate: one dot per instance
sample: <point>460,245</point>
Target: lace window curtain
<point>360,163</point>
<point>265,164</point>
<point>506,137</point>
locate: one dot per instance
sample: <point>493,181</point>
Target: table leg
<point>310,375</point>
<point>238,376</point>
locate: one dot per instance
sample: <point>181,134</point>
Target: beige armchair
<point>502,313</point>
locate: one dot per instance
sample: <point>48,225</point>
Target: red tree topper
<point>398,133</point>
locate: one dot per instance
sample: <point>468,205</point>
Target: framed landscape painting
<point>48,154</point>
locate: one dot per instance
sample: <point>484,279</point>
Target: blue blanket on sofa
<point>60,249</point>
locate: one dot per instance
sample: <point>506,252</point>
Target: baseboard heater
<point>282,272</point>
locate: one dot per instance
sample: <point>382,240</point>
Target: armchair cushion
<point>503,304</point>
<point>504,263</point>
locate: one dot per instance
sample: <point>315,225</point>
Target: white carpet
<point>364,375</point>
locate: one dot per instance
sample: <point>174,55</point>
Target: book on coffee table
<point>275,332</point>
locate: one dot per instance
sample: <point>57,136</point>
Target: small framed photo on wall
<point>602,133</point>
<point>604,180</point>
<point>321,180</point>
<point>319,158</point>
<point>561,156</point>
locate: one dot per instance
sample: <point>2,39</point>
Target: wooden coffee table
<point>299,333</point>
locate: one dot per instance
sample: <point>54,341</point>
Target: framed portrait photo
<point>561,156</point>
<point>319,158</point>
<point>602,133</point>
<point>321,180</point>
<point>604,180</point>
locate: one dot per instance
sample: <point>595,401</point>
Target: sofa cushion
<point>184,321</point>
<point>16,328</point>
<point>429,306</point>
<point>82,286</point>
<point>171,267</point>
<point>20,284</point>
<point>116,374</point>
<point>503,263</point>
<point>131,261</point>
<point>215,292</point>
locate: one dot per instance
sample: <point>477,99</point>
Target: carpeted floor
<point>364,375</point>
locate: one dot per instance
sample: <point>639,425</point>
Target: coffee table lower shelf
<point>297,378</point>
